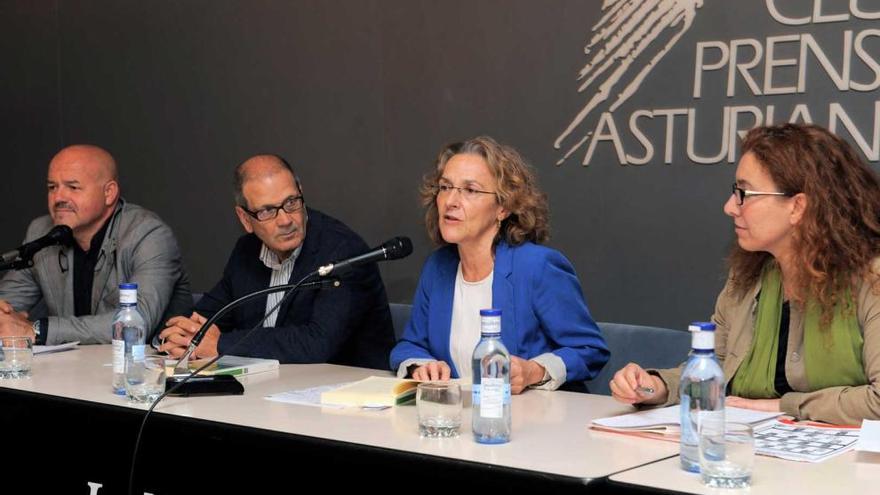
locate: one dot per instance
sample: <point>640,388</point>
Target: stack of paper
<point>664,423</point>
<point>374,391</point>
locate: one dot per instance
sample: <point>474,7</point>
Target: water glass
<point>144,377</point>
<point>439,409</point>
<point>16,356</point>
<point>727,454</point>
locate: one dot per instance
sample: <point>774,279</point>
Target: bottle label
<point>137,352</point>
<point>491,395</point>
<point>704,341</point>
<point>128,296</point>
<point>118,356</point>
<point>490,324</point>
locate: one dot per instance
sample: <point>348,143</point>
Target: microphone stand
<point>183,362</point>
<point>291,289</point>
<point>396,248</point>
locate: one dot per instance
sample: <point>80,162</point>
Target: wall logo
<point>817,62</point>
<point>628,30</point>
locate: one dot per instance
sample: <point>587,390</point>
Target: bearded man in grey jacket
<point>71,292</point>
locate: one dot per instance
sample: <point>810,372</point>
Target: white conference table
<point>855,473</point>
<point>550,429</point>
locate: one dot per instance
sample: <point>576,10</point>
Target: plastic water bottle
<point>129,334</point>
<point>702,392</point>
<point>491,387</point>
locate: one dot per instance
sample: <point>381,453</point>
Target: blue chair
<point>649,347</point>
<point>399,317</point>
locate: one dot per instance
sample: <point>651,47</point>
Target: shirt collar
<point>96,242</point>
<point>270,259</point>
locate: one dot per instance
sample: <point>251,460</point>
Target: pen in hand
<point>645,390</point>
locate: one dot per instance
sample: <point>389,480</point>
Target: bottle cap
<point>702,335</point>
<point>490,321</point>
<point>128,286</point>
<point>702,326</point>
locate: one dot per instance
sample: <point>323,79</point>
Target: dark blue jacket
<point>543,310</point>
<point>348,325</point>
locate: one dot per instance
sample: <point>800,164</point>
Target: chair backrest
<point>649,347</point>
<point>399,317</point>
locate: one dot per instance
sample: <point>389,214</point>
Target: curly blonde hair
<point>839,234</point>
<point>516,191</point>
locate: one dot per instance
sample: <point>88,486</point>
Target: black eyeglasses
<point>466,192</point>
<point>741,194</point>
<point>289,205</point>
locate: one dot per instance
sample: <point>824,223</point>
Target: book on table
<point>373,391</point>
<point>233,365</point>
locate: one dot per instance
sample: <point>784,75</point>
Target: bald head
<point>260,167</point>
<point>92,160</point>
<point>83,190</point>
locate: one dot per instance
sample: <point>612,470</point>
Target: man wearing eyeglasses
<point>286,240</point>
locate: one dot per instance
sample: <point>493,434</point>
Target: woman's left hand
<point>524,373</point>
<point>769,405</point>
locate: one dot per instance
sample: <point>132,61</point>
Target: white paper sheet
<point>46,349</point>
<point>869,438</point>
<point>671,416</point>
<point>306,396</point>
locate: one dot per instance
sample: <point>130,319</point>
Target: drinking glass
<point>16,356</point>
<point>727,454</point>
<point>144,378</point>
<point>439,409</point>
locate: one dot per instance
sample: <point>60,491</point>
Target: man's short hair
<point>239,177</point>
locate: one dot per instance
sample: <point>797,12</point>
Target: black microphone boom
<point>203,330</point>
<point>399,247</point>
<point>60,234</point>
<point>396,248</point>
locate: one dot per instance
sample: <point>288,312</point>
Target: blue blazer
<point>543,310</point>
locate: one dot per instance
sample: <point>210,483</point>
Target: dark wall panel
<point>361,94</point>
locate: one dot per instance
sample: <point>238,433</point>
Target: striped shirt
<point>281,271</point>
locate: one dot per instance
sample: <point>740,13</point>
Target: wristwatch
<point>36,327</point>
<point>546,378</point>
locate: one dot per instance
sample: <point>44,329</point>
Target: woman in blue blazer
<point>484,209</point>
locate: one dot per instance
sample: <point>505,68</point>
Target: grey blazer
<point>138,247</point>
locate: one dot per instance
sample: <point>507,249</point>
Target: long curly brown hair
<point>516,191</point>
<point>839,233</point>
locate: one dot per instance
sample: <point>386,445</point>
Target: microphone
<point>60,234</point>
<point>399,247</point>
<point>396,248</point>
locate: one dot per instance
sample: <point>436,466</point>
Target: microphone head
<point>399,247</point>
<point>60,234</point>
